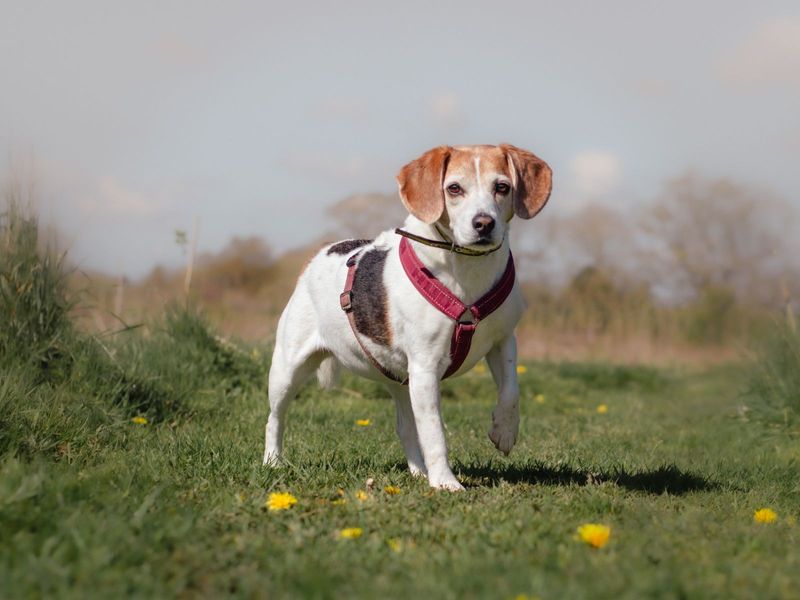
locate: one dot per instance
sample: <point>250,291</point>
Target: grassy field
<point>130,466</point>
<point>93,503</point>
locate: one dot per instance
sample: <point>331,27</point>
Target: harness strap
<point>435,292</point>
<point>346,302</point>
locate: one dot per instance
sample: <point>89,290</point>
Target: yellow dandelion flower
<point>595,535</point>
<point>338,501</point>
<point>391,490</point>
<point>363,422</point>
<point>280,501</point>
<point>394,544</point>
<point>539,398</point>
<point>351,533</point>
<point>139,420</point>
<point>361,495</point>
<point>602,409</point>
<point>521,369</point>
<point>765,515</point>
<point>480,368</point>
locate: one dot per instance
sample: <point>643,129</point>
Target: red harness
<point>435,292</point>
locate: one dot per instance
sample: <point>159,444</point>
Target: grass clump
<point>614,377</point>
<point>774,386</point>
<point>35,327</point>
<point>183,356</point>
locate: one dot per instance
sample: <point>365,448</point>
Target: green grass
<point>94,504</point>
<point>774,380</point>
<point>97,504</point>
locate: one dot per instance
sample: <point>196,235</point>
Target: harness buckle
<point>346,301</point>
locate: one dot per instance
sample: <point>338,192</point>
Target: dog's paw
<point>503,432</point>
<point>451,485</point>
<point>417,471</point>
<point>272,460</point>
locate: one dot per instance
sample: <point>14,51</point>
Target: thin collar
<point>448,244</point>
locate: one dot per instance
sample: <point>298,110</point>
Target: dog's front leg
<point>423,386</point>
<point>502,361</point>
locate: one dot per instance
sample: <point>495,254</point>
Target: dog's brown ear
<point>420,183</point>
<point>532,179</point>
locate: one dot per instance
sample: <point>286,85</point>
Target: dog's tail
<point>328,372</point>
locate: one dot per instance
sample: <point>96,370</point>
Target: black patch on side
<point>369,298</point>
<point>346,246</point>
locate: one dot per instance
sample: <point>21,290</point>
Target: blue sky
<point>137,118</point>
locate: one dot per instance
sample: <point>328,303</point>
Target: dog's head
<point>474,191</point>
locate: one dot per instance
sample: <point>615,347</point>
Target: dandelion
<point>139,420</point>
<point>602,409</point>
<point>391,490</point>
<point>521,369</point>
<point>339,502</point>
<point>351,533</point>
<point>595,535</point>
<point>394,544</point>
<point>539,398</point>
<point>363,422</point>
<point>361,495</point>
<point>280,501</point>
<point>765,515</point>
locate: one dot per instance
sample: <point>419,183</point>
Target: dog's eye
<point>454,189</point>
<point>502,188</point>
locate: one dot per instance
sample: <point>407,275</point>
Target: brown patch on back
<point>346,246</point>
<point>370,303</point>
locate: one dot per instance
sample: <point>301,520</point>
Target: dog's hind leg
<point>407,429</point>
<point>287,374</point>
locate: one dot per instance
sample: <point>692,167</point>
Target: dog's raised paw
<point>503,438</point>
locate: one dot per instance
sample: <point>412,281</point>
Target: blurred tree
<point>366,215</point>
<point>245,263</point>
<point>703,233</point>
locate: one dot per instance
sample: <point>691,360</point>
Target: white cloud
<point>111,198</point>
<point>180,53</point>
<point>595,173</point>
<point>769,56</point>
<point>651,87</point>
<point>445,110</point>
<point>74,195</point>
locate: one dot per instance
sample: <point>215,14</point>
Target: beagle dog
<point>396,319</point>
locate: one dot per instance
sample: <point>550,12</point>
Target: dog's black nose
<point>483,224</point>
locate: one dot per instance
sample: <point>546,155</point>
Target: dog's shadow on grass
<point>667,479</point>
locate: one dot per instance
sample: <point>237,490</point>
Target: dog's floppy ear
<point>420,183</point>
<point>532,179</point>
